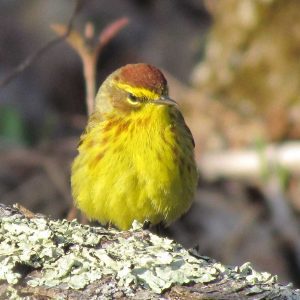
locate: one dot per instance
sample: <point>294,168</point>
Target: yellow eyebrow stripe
<point>137,91</point>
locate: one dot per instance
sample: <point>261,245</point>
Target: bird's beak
<point>165,101</point>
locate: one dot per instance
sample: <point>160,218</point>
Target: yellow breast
<point>140,167</point>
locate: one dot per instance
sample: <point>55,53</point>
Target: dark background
<point>214,64</point>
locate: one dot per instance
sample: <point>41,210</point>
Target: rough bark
<point>47,259</point>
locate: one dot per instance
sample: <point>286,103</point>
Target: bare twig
<point>283,220</point>
<point>109,32</point>
<point>89,52</point>
<point>38,53</point>
<point>248,164</point>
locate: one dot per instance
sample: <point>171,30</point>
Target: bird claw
<point>146,225</point>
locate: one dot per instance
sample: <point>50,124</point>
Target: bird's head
<point>132,88</point>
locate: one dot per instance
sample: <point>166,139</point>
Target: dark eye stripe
<point>132,98</point>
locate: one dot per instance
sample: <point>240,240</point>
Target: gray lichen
<point>73,256</point>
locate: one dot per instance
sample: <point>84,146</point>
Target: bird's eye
<point>132,99</point>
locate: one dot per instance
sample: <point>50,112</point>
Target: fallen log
<point>43,258</point>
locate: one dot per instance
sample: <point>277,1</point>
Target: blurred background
<point>234,68</point>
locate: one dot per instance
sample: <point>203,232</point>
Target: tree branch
<point>59,259</point>
<point>249,164</point>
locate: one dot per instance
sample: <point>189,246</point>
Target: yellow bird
<point>136,156</point>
